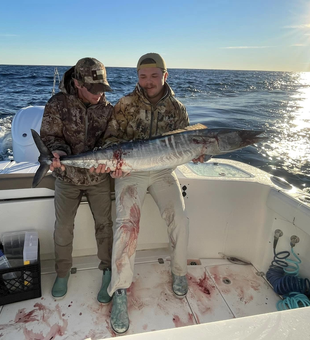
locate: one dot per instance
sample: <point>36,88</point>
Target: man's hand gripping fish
<point>166,151</point>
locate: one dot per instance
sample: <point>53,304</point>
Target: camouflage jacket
<point>134,117</point>
<point>71,126</point>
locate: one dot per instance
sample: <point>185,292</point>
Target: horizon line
<point>176,68</point>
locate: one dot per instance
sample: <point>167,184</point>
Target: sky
<point>271,35</point>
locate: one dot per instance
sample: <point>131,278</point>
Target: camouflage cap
<point>91,71</point>
<point>151,60</point>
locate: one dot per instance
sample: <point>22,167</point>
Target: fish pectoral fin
<point>206,158</point>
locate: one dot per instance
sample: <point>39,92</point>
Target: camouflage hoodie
<point>71,126</point>
<point>134,117</point>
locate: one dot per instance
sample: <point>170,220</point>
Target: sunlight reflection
<point>292,147</point>
<point>302,120</point>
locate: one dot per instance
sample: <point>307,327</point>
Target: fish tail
<point>45,159</point>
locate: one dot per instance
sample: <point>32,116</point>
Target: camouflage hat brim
<point>95,88</point>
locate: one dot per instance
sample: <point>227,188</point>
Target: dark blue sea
<point>276,102</point>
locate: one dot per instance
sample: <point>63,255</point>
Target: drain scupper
<point>226,281</point>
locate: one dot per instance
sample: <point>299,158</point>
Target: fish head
<point>230,140</point>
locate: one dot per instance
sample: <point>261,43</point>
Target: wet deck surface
<point>218,290</point>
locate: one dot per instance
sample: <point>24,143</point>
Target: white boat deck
<point>218,290</point>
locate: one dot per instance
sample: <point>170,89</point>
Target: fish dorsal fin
<point>188,128</point>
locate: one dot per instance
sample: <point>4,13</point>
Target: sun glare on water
<point>291,149</point>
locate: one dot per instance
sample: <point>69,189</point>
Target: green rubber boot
<point>60,287</point>
<point>103,296</point>
<point>179,285</point>
<point>119,314</point>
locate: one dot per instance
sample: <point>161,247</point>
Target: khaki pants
<point>129,194</point>
<point>67,201</point>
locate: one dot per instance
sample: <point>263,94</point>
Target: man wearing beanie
<point>74,121</point>
<point>150,110</point>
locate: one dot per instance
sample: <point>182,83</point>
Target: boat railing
<point>56,75</point>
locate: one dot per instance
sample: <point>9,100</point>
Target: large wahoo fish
<point>167,151</point>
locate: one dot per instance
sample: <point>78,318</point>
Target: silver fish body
<point>157,153</point>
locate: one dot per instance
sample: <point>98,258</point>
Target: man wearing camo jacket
<point>150,110</point>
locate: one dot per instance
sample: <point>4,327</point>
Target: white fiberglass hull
<point>233,209</point>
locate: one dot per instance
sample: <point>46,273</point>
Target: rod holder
<point>278,233</point>
<point>294,239</point>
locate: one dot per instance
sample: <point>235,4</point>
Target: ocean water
<point>276,102</point>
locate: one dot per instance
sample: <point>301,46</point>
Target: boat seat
<point>24,148</point>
